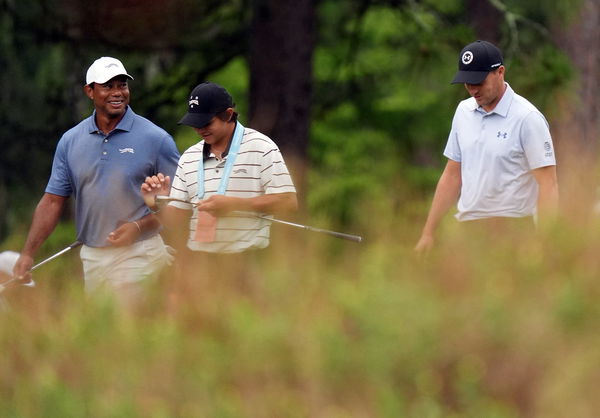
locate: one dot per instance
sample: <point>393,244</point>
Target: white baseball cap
<point>7,261</point>
<point>103,69</point>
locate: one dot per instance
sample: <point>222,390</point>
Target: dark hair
<point>223,116</point>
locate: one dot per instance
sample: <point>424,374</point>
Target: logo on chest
<point>125,150</point>
<point>502,135</point>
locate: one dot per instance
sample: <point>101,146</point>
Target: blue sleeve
<point>60,180</point>
<point>168,157</point>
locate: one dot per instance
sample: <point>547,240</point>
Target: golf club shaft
<point>61,252</point>
<point>341,235</point>
<point>58,254</point>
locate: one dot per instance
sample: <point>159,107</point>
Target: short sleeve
<point>179,189</point>
<point>537,141</point>
<point>60,182</point>
<point>168,157</point>
<point>452,150</point>
<point>275,177</point>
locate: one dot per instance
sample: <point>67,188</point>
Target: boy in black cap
<point>232,175</point>
<point>501,165</point>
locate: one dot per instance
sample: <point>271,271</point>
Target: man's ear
<point>229,111</point>
<point>89,91</point>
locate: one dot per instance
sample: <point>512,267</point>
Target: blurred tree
<point>486,19</point>
<point>577,122</point>
<point>580,39</point>
<point>280,60</point>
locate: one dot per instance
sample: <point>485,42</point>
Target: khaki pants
<point>123,269</point>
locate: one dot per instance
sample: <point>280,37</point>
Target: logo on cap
<point>193,101</point>
<point>467,57</point>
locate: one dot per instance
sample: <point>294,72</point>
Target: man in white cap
<point>101,162</point>
<point>7,263</point>
<point>501,166</point>
<point>16,293</point>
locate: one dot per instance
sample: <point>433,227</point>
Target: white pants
<point>122,269</point>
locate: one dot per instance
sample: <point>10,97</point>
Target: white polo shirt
<point>259,169</point>
<point>497,152</point>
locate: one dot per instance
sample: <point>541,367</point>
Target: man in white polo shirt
<point>501,164</point>
<point>229,179</point>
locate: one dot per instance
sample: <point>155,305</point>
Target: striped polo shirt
<point>259,169</point>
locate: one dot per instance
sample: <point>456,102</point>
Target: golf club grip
<point>341,235</point>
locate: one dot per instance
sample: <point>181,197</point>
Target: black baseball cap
<point>475,62</point>
<point>206,100</point>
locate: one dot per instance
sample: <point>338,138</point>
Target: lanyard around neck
<point>238,134</point>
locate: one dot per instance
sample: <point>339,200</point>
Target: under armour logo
<point>124,150</point>
<point>193,101</point>
<point>502,135</point>
<point>467,57</point>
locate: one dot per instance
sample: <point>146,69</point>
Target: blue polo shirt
<point>104,172</point>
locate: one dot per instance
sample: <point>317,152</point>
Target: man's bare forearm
<point>45,218</point>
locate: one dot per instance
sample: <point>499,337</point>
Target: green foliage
<point>503,326</point>
<point>548,71</point>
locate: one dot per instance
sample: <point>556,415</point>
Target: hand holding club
<point>157,185</point>
<point>22,268</point>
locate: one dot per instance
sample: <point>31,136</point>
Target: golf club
<point>349,237</point>
<point>61,252</point>
<point>341,235</point>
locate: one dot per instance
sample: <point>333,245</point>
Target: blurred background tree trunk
<point>581,40</point>
<point>575,126</point>
<point>485,19</point>
<point>280,60</point>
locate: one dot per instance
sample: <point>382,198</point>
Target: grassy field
<point>502,326</point>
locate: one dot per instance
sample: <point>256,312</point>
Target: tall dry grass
<point>500,325</point>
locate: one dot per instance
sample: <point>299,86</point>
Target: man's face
<point>217,132</point>
<point>110,98</point>
<point>489,92</point>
